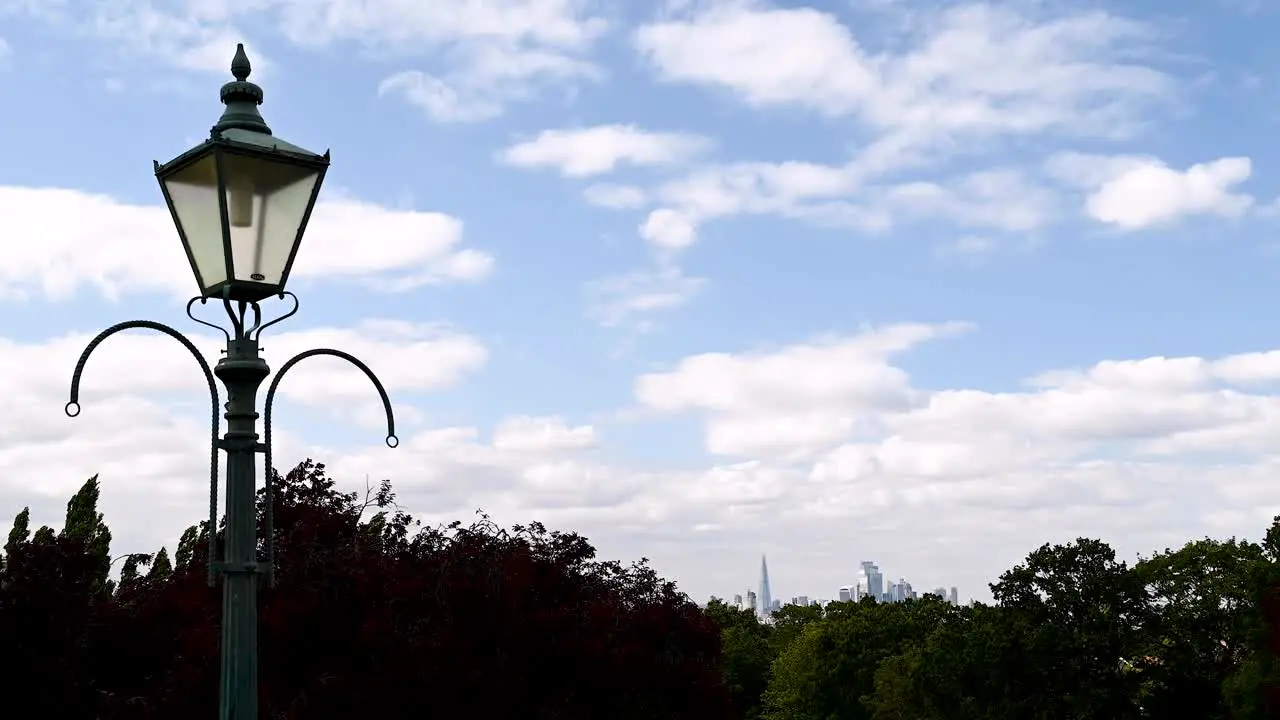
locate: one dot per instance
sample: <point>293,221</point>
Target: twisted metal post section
<point>72,409</point>
<point>268,472</point>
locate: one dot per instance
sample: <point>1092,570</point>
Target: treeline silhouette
<point>374,615</point>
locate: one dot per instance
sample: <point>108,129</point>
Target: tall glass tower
<point>870,580</point>
<point>766,596</point>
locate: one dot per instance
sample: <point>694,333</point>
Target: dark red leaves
<point>373,619</point>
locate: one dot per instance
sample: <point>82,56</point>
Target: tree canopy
<point>375,615</point>
<point>1073,634</point>
<point>372,616</point>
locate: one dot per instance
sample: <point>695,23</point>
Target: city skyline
<point>870,582</point>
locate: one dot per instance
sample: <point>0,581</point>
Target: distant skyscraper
<point>751,601</point>
<point>955,596</point>
<point>766,594</point>
<point>870,581</point>
<point>845,594</point>
<point>737,601</point>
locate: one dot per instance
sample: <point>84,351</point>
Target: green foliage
<point>1084,613</point>
<point>129,572</point>
<point>970,668</point>
<point>790,621</point>
<point>829,670</point>
<point>748,654</point>
<point>1242,695</point>
<point>186,552</point>
<point>1074,634</point>
<point>21,531</point>
<point>84,525</point>
<point>1203,624</point>
<point>161,567</point>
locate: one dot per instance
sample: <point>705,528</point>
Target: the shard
<point>766,597</point>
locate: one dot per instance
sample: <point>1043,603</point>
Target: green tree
<point>18,535</point>
<point>1085,614</point>
<point>129,572</point>
<point>186,552</point>
<point>1203,624</point>
<point>748,655</point>
<point>161,567</point>
<point>1252,691</point>
<point>789,622</point>
<point>828,671</point>
<point>971,668</point>
<point>84,525</point>
<point>21,531</point>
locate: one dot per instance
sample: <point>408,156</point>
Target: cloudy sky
<point>927,283</point>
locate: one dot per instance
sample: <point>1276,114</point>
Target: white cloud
<point>966,246</point>
<point>88,240</point>
<point>975,68</point>
<point>619,299</point>
<point>152,35</point>
<point>757,187</point>
<point>669,229</point>
<point>404,25</point>
<point>406,356</point>
<point>959,80</point>
<point>796,399</point>
<point>770,56</point>
<point>616,197</point>
<point>844,394</point>
<point>957,83</point>
<point>601,149</point>
<point>541,434</point>
<point>437,98</point>
<point>493,52</point>
<point>844,397</point>
<point>790,189</point>
<point>829,433</point>
<point>841,436</point>
<point>1132,193</point>
<point>492,77</point>
<point>1001,199</point>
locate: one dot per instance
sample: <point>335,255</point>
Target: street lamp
<point>241,201</point>
<point>242,198</point>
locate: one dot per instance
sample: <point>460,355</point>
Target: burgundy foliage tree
<point>371,616</point>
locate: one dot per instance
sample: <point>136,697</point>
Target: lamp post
<point>241,201</point>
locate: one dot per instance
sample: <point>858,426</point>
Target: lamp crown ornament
<point>242,99</point>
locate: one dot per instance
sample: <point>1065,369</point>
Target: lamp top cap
<point>242,98</point>
<point>240,66</point>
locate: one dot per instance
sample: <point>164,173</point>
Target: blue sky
<point>917,282</point>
